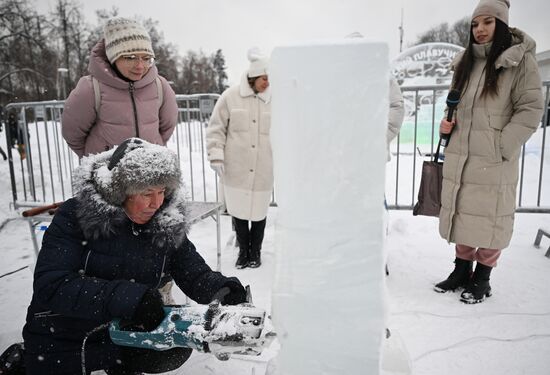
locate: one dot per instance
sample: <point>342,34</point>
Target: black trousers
<point>250,238</point>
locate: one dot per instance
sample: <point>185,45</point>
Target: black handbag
<point>429,195</point>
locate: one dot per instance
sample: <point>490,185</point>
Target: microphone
<point>452,101</point>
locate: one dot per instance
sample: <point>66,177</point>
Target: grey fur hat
<point>135,166</point>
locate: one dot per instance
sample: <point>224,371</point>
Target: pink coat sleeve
<point>79,115</point>
<point>168,114</point>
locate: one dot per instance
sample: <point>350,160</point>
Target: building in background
<point>425,64</point>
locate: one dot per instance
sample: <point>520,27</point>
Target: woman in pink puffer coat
<point>129,99</point>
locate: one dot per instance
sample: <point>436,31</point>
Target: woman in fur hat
<point>500,108</point>
<point>103,257</point>
<point>239,150</point>
<point>123,97</point>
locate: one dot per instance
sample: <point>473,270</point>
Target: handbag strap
<point>436,155</point>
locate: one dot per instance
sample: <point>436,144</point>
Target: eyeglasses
<point>133,60</point>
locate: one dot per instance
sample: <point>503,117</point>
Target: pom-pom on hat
<point>258,63</point>
<point>496,8</point>
<point>135,166</point>
<point>124,36</point>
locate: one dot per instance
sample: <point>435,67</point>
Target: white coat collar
<point>245,90</point>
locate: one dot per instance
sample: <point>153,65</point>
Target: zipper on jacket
<point>161,272</point>
<point>455,195</point>
<point>131,89</point>
<point>45,314</point>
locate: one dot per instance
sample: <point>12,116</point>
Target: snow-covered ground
<point>507,334</point>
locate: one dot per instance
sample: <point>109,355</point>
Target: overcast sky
<point>236,25</point>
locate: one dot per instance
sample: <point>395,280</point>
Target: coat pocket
<point>238,120</point>
<point>63,328</point>
<point>497,123</point>
<point>265,123</point>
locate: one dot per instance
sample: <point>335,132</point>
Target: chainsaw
<point>214,328</point>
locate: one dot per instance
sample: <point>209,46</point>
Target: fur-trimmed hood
<point>100,219</point>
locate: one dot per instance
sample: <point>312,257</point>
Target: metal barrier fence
<point>43,175</point>
<point>41,172</point>
<point>189,142</point>
<point>418,139</point>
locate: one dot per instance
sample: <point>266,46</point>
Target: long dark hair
<point>502,40</point>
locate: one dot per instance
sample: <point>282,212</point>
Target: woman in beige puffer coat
<point>239,150</point>
<point>500,108</point>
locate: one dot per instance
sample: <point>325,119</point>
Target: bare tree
<point>458,33</point>
<point>96,32</point>
<point>462,29</point>
<point>33,47</point>
<point>26,60</point>
<point>218,62</point>
<point>73,32</point>
<point>166,55</point>
<point>198,74</point>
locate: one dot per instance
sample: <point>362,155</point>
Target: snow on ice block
<point>329,124</point>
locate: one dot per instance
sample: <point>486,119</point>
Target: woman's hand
<point>232,293</point>
<point>446,127</point>
<point>149,313</point>
<point>217,166</point>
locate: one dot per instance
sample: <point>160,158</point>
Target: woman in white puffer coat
<point>239,150</point>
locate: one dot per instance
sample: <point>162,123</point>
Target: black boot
<point>459,278</point>
<point>255,260</point>
<point>12,361</point>
<point>256,238</point>
<point>242,259</point>
<point>478,288</point>
<point>236,244</point>
<point>243,238</point>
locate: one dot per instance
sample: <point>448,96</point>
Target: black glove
<point>149,313</point>
<point>232,293</point>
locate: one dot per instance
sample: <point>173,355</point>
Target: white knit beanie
<point>124,36</point>
<point>258,63</point>
<point>496,8</point>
